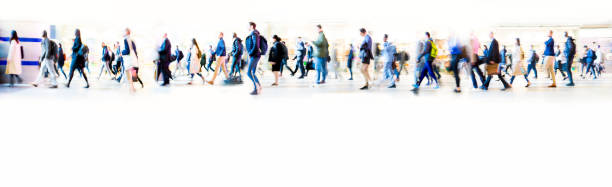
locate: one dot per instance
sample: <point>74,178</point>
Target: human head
<point>14,36</point>
<point>362,32</point>
<point>220,34</point>
<point>491,35</point>
<point>427,35</point>
<point>276,38</point>
<point>234,35</point>
<point>165,35</point>
<point>518,42</point>
<point>44,34</point>
<point>566,34</point>
<point>550,33</point>
<point>77,33</point>
<point>252,26</point>
<point>127,32</point>
<point>319,28</point>
<point>386,37</point>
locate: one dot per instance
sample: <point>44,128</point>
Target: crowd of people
<point>121,63</point>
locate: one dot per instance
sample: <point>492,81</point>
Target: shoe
<point>301,77</point>
<point>364,87</point>
<point>528,84</point>
<point>210,82</point>
<point>35,85</point>
<point>86,86</point>
<point>254,92</point>
<point>552,86</point>
<point>392,86</point>
<point>457,90</point>
<point>67,85</point>
<point>189,83</point>
<point>322,82</point>
<point>564,78</point>
<point>274,84</point>
<point>350,79</point>
<point>118,80</point>
<point>415,90</point>
<point>570,84</point>
<point>164,84</point>
<point>53,86</point>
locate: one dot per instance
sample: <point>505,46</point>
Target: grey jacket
<point>45,49</point>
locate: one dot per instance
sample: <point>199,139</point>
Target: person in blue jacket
<point>236,54</point>
<point>220,53</point>
<point>389,51</point>
<point>349,61</point>
<point>253,47</point>
<point>78,59</point>
<point>309,57</point>
<point>590,58</point>
<point>569,52</point>
<point>365,54</point>
<point>549,58</point>
<point>300,54</point>
<point>427,68</point>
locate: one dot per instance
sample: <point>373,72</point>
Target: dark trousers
<point>76,65</point>
<point>284,65</point>
<point>164,70</point>
<point>476,69</point>
<point>427,70</point>
<point>235,66</point>
<point>489,77</point>
<point>570,59</point>
<point>454,66</point>
<point>532,66</point>
<point>300,65</point>
<point>349,66</point>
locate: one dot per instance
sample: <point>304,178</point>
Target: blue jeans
<point>235,66</point>
<point>389,73</point>
<point>570,59</point>
<point>532,66</point>
<point>321,66</point>
<point>252,68</point>
<point>300,65</point>
<point>427,68</point>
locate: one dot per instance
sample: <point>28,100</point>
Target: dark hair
<point>428,35</point>
<point>77,33</point>
<point>253,24</point>
<point>14,36</point>
<point>44,35</point>
<point>235,35</point>
<point>362,30</point>
<point>386,36</point>
<point>276,38</point>
<point>518,41</point>
<point>319,26</point>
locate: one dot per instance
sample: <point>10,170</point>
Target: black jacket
<point>276,52</point>
<point>493,53</point>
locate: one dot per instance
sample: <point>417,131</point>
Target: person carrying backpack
<point>47,59</point>
<point>569,52</point>
<point>429,53</point>
<point>256,45</point>
<point>236,54</point>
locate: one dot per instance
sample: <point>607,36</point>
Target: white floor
<point>298,134</point>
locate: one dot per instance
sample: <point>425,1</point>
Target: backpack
<point>263,45</point>
<point>434,49</point>
<point>536,57</point>
<point>572,47</point>
<point>180,56</point>
<point>52,48</point>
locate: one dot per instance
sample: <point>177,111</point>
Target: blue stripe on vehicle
<point>6,39</point>
<point>23,63</point>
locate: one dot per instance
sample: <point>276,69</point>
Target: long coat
<point>194,60</point>
<point>517,61</point>
<point>13,60</point>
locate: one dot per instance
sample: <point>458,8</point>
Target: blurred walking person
<point>517,57</point>
<point>165,54</point>
<point>299,57</point>
<point>365,55</point>
<point>193,59</point>
<point>220,53</point>
<point>493,59</point>
<point>78,59</point>
<point>320,54</point>
<point>549,58</point>
<point>256,46</point>
<point>47,59</point>
<point>275,57</point>
<point>569,52</point>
